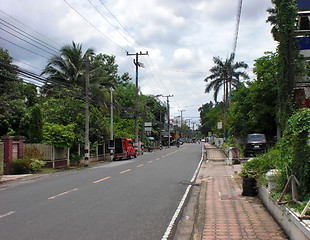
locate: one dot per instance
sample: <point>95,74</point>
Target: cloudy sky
<point>181,37</point>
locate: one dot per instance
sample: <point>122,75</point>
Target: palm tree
<point>225,74</point>
<point>68,67</point>
<point>272,19</point>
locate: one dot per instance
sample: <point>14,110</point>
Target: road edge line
<point>182,202</point>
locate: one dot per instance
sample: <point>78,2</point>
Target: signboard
<point>219,125</point>
<point>148,126</point>
<point>303,5</point>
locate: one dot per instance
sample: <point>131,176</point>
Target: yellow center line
<point>64,193</point>
<point>100,180</point>
<point>157,159</point>
<point>126,170</point>
<point>140,165</point>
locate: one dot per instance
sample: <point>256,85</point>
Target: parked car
<point>255,143</point>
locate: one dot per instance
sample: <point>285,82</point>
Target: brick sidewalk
<point>228,214</point>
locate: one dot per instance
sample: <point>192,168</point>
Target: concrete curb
<point>288,220</point>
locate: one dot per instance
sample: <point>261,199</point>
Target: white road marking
<point>181,204</point>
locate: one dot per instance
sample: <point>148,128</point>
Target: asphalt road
<point>130,199</point>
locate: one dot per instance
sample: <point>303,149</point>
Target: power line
<point>120,24</point>
<point>23,48</point>
<point>109,22</point>
<point>26,41</point>
<point>29,36</point>
<point>30,28</point>
<point>94,26</point>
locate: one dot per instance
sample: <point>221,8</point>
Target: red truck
<point>124,149</point>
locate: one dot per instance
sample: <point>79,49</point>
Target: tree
<point>254,106</point>
<point>210,115</point>
<point>283,18</point>
<point>36,125</point>
<point>225,74</point>
<point>64,111</point>
<point>67,68</point>
<point>12,98</point>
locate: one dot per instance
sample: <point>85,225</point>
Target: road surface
<point>130,199</point>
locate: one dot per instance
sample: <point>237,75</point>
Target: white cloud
<point>179,34</point>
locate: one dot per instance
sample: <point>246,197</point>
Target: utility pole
<point>111,126</point>
<point>181,117</point>
<point>137,64</point>
<point>168,113</point>
<point>86,149</point>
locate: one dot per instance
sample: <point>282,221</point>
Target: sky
<point>180,36</point>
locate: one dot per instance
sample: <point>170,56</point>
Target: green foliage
<point>124,128</point>
<point>223,74</point>
<point>58,135</point>
<point>290,156</point>
<point>26,165</point>
<point>283,19</point>
<point>296,141</point>
<point>254,107</point>
<point>99,126</point>
<point>68,67</point>
<point>261,164</point>
<point>211,114</point>
<point>75,159</point>
<point>65,111</point>
<point>36,125</point>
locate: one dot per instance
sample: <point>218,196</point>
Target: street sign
<point>148,126</point>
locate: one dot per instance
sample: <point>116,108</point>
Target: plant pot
<point>249,187</point>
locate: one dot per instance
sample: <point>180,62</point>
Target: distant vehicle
<point>124,149</point>
<point>203,140</point>
<point>255,143</point>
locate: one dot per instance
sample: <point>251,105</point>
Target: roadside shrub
<point>296,150</point>
<point>75,159</point>
<point>26,165</point>
<point>20,166</point>
<point>260,165</point>
<point>290,156</point>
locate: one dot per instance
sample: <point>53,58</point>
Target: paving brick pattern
<point>229,215</point>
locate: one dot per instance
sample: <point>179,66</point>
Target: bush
<point>26,165</point>
<point>75,159</point>
<point>261,164</point>
<point>290,156</point>
<point>296,150</point>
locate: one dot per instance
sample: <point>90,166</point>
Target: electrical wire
<point>24,48</point>
<point>109,22</point>
<point>30,28</point>
<point>120,24</point>
<point>94,26</point>
<point>26,41</point>
<point>29,36</point>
